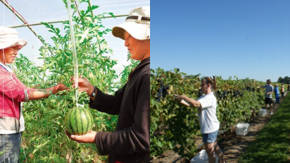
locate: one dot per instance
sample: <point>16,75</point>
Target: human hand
<point>58,87</point>
<point>89,137</point>
<point>176,96</point>
<point>83,85</point>
<point>179,97</point>
<point>182,99</point>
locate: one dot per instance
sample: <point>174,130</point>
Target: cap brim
<point>136,30</point>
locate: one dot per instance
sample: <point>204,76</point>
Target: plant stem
<point>98,39</point>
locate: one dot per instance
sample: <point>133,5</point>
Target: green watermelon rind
<point>78,121</point>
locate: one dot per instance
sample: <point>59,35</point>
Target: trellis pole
<point>21,18</point>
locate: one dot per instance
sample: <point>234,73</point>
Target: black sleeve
<point>136,137</point>
<point>108,103</point>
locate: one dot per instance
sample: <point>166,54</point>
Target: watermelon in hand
<point>79,121</point>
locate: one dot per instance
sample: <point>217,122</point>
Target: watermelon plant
<point>44,139</point>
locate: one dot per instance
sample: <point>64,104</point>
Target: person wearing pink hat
<point>129,143</point>
<point>12,93</point>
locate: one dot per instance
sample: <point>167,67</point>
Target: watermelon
<point>79,121</point>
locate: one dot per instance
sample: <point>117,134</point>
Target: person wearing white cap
<point>130,141</point>
<point>12,93</point>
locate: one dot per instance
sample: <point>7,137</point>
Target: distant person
<point>209,124</point>
<point>282,90</point>
<point>12,93</point>
<point>277,93</point>
<point>268,96</point>
<point>162,91</point>
<point>129,143</point>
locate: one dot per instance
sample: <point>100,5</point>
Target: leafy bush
<point>174,126</point>
<point>44,139</point>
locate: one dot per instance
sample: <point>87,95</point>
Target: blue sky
<point>243,38</point>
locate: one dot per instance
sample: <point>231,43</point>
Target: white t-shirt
<point>207,117</point>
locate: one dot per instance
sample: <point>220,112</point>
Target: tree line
<point>285,80</point>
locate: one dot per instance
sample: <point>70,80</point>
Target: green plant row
<point>44,139</point>
<point>176,127</point>
<point>273,142</point>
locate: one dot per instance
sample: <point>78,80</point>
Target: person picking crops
<point>12,93</point>
<point>130,141</point>
<point>269,89</point>
<point>209,123</point>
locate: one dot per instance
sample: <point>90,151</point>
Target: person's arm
<point>99,100</point>
<point>14,89</point>
<point>107,103</point>
<point>136,137</point>
<point>35,94</point>
<point>132,139</point>
<point>191,101</point>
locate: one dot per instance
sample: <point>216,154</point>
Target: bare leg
<point>271,107</point>
<point>219,153</point>
<point>266,106</point>
<point>209,147</point>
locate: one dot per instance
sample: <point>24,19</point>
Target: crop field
<point>44,139</point>
<point>273,142</point>
<point>78,46</point>
<point>176,127</point>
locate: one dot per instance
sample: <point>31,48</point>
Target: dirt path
<point>233,146</point>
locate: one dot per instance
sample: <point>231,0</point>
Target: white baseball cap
<point>137,24</point>
<point>9,38</point>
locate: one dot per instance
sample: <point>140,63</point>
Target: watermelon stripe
<point>73,121</point>
<point>91,120</point>
<point>85,121</point>
<point>88,119</point>
<point>82,120</point>
<point>75,124</point>
<point>71,118</point>
<point>78,121</point>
